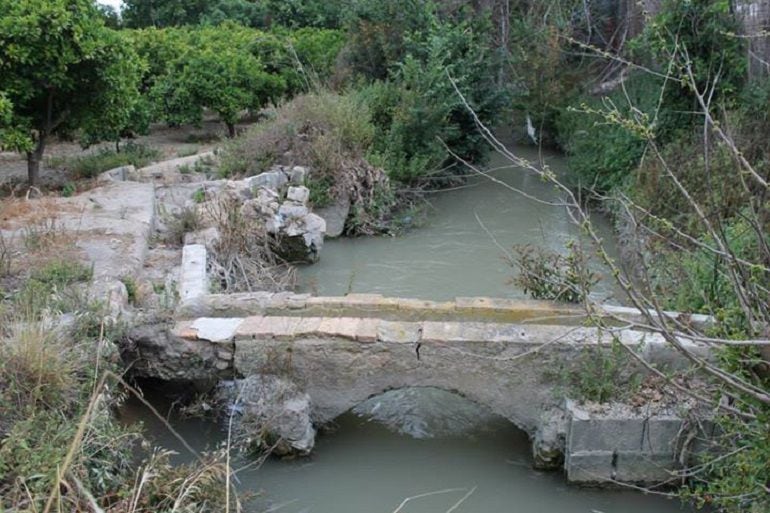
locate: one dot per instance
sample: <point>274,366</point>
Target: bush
<point>91,165</point>
<point>331,134</point>
<point>547,275</point>
<point>601,135</point>
<point>417,110</point>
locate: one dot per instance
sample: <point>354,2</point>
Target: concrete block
<point>605,435</point>
<point>252,327</point>
<point>660,435</point>
<point>640,467</point>
<point>440,331</point>
<point>589,466</point>
<point>367,330</point>
<point>194,282</point>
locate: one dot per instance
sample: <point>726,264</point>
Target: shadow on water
<point>406,443</point>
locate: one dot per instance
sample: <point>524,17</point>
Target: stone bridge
<point>505,354</point>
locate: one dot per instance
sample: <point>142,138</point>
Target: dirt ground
<point>171,142</point>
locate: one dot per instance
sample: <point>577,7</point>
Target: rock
<point>291,211</point>
<point>549,443</point>
<point>335,216</point>
<point>274,179</point>
<point>298,194</point>
<point>118,174</point>
<point>274,413</point>
<point>297,175</point>
<point>315,224</point>
<point>207,237</point>
<point>113,294</point>
<point>240,189</point>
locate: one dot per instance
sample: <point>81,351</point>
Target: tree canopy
<point>61,69</point>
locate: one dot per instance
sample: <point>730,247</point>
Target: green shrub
<point>602,375</point>
<point>548,275</point>
<point>604,138</point>
<point>91,165</point>
<point>62,273</point>
<point>318,130</point>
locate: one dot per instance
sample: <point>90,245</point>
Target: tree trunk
<point>230,130</point>
<point>34,158</point>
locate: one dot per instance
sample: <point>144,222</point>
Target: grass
<point>61,447</point>
<point>93,164</point>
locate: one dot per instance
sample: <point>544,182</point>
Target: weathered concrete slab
<point>194,282</point>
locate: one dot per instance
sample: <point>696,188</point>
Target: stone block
<point>399,332</point>
<point>194,282</point>
<point>367,330</point>
<point>297,175</point>
<point>291,211</point>
<point>274,179</point>
<point>345,327</point>
<point>298,194</point>
<point>216,329</point>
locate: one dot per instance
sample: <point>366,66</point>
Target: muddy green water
<point>403,444</point>
<point>456,251</point>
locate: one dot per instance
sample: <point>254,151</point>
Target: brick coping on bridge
<point>260,328</point>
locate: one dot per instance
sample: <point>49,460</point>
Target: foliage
<point>548,275</point>
<point>601,375</point>
<point>701,34</point>
<point>11,137</point>
<point>93,164</point>
<point>331,134</point>
<point>317,50</point>
<point>544,75</point>
<point>378,31</point>
<point>62,70</point>
<point>164,13</point>
<point>417,110</point>
<point>317,130</point>
<point>219,73</point>
<point>606,138</point>
<point>258,14</point>
<point>243,257</point>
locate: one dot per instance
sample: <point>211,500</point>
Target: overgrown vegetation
<point>91,165</point>
<point>332,134</point>
<point>61,447</point>
<point>550,275</point>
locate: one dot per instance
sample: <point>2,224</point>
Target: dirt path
<point>171,142</point>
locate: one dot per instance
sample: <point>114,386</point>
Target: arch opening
<point>425,412</point>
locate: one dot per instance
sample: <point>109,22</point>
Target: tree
<point>62,70</point>
<point>218,71</point>
<point>164,13</point>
